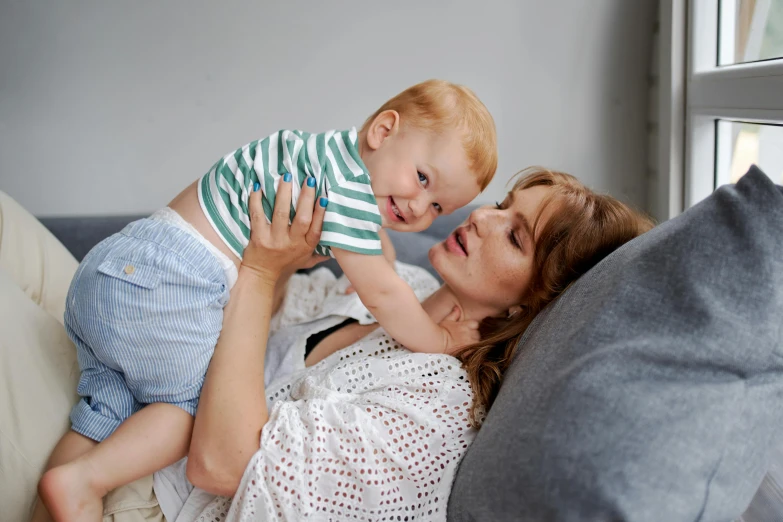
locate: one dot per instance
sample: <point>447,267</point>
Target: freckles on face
<point>502,270</point>
<point>492,263</point>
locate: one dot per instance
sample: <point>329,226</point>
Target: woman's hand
<point>277,247</point>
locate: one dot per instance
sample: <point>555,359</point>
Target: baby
<point>145,308</point>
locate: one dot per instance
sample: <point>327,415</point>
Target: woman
<point>365,429</point>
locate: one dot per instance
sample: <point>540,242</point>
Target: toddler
<point>145,307</point>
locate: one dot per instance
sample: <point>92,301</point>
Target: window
<point>740,145</point>
<point>734,93</point>
<point>750,31</point>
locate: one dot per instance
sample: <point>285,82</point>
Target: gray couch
<point>651,390</point>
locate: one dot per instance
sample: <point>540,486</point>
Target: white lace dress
<point>372,432</point>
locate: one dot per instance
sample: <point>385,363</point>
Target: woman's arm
<point>232,407</point>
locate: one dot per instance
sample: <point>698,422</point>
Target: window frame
<point>749,92</point>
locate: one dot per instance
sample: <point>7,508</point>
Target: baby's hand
<point>458,333</point>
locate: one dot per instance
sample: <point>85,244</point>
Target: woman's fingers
<point>276,247</point>
<point>314,260</point>
<point>258,222</point>
<point>304,208</point>
<point>308,220</point>
<point>280,215</point>
<point>317,222</point>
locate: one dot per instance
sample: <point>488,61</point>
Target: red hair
<point>437,105</point>
<point>584,228</point>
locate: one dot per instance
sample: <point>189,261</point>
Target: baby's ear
<point>384,125</point>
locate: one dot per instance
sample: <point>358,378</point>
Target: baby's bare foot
<point>68,493</point>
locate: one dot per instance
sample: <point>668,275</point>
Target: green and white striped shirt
<point>352,220</point>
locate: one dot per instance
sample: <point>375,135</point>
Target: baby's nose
<point>419,206</point>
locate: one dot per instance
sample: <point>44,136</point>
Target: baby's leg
<point>145,312</point>
<point>71,446</point>
<point>151,439</point>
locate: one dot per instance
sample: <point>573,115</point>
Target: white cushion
<point>34,259</point>
<point>38,375</point>
<point>38,368</point>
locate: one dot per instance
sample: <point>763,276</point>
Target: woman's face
<point>488,260</point>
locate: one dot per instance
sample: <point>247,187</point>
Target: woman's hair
<point>438,105</point>
<point>584,228</point>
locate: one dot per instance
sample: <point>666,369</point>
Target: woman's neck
<point>443,301</point>
<point>438,306</point>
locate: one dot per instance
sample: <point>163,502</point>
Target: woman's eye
<point>423,179</point>
<point>514,241</point>
<point>437,207</point>
<point>498,205</point>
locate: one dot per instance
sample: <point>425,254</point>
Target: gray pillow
<point>653,388</point>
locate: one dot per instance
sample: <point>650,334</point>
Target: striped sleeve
<point>352,221</point>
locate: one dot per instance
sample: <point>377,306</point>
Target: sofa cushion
<point>652,389</point>
<point>80,233</point>
<point>33,258</point>
<point>38,375</point>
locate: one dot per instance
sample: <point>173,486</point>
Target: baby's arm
<point>388,247</point>
<point>396,307</point>
<point>389,253</point>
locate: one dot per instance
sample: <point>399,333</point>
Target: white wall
<point>113,107</point>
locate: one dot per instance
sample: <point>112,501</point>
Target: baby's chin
<point>403,227</point>
<point>397,227</point>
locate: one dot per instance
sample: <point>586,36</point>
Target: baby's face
<point>418,175</point>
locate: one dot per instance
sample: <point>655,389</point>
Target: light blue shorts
<point>145,310</point>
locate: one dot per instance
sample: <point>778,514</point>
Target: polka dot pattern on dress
<point>372,432</point>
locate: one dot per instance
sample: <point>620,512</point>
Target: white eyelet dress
<point>372,432</point>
